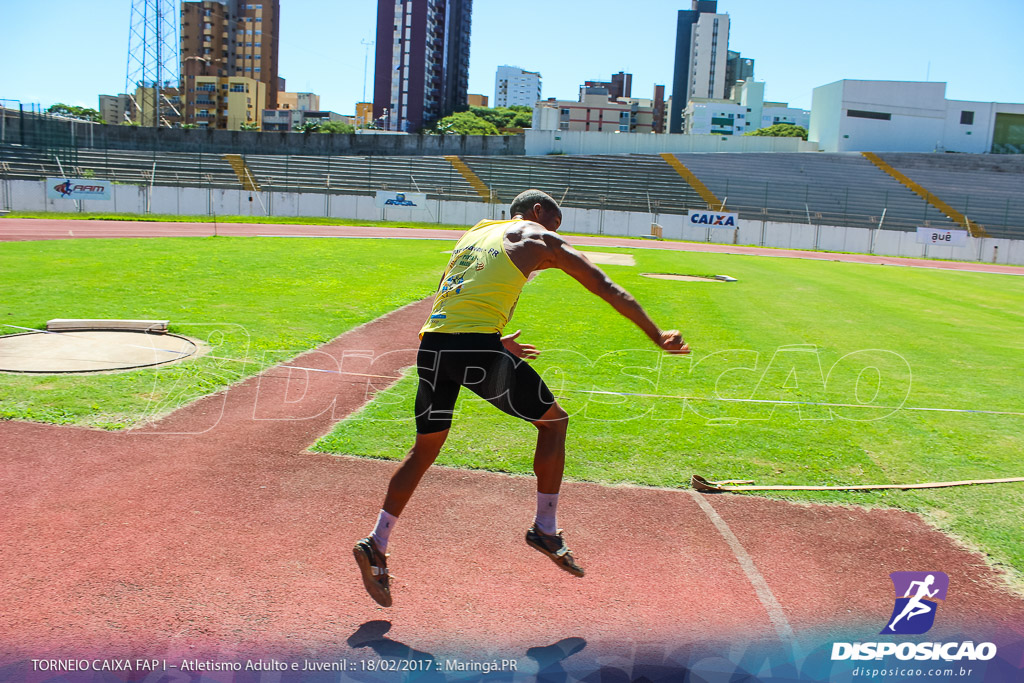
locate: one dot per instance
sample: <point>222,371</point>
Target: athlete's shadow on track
<point>549,658</point>
<point>371,635</point>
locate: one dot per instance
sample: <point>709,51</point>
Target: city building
<point>284,120</point>
<point>910,116</point>
<point>621,85</point>
<point>744,113</point>
<point>144,111</point>
<point>227,102</point>
<point>659,105</point>
<point>229,39</point>
<point>364,113</point>
<point>595,111</point>
<point>476,100</point>
<point>737,68</point>
<point>516,87</point>
<point>702,46</point>
<point>422,62</point>
<point>303,101</point>
<point>116,108</point>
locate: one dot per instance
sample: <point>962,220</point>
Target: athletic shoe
<point>553,545</point>
<point>373,564</point>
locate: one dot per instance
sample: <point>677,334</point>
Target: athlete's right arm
<point>575,264</point>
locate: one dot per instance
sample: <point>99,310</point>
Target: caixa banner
<point>77,188</point>
<point>949,238</point>
<point>714,219</point>
<point>409,200</point>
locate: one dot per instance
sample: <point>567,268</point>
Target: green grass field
<point>188,218</point>
<point>787,330</point>
<point>259,299</point>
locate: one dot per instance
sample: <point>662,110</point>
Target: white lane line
<point>764,593</point>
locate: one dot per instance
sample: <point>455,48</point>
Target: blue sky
<point>975,47</point>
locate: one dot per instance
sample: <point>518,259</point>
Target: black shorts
<point>446,362</point>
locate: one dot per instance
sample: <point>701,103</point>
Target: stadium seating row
<point>827,189</point>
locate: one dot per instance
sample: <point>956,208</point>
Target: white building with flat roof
<point>514,86</point>
<point>910,116</point>
<point>744,113</point>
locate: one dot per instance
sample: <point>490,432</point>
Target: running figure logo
<point>64,188</point>
<point>916,596</point>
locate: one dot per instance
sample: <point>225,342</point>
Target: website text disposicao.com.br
<point>955,656</point>
<point>910,672</point>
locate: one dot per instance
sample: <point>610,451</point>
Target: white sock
<point>547,510</point>
<point>381,532</point>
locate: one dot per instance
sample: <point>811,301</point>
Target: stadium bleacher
<point>822,189</point>
<point>988,189</point>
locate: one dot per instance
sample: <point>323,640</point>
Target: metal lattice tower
<point>152,56</point>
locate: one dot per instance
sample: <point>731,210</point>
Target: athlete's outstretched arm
<point>565,258</point>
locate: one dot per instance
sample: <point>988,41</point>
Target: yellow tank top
<point>480,286</point>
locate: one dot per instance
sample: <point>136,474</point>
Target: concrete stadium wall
<point>30,195</point>
<point>591,142</point>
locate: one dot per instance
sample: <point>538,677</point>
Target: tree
<point>310,126</point>
<point>248,126</point>
<point>505,117</point>
<point>781,130</point>
<point>336,127</point>
<point>73,112</point>
<point>465,123</point>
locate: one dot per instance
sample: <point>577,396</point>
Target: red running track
<point>215,533</point>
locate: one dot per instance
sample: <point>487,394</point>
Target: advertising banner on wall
<point>77,188</point>
<point>411,200</point>
<point>714,219</point>
<point>948,238</point>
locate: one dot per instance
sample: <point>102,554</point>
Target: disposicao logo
<point>917,594</point>
<point>64,188</point>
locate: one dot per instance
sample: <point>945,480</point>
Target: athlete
<point>461,345</point>
<point>916,606</point>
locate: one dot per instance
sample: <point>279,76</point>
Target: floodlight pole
<point>366,62</point>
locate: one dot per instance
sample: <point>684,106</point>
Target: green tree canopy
<point>505,117</point>
<point>71,111</point>
<point>309,126</point>
<point>465,123</point>
<point>781,130</point>
<point>336,127</point>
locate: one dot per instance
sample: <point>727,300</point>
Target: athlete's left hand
<point>519,350</point>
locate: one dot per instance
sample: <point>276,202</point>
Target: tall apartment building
<point>516,87</point>
<point>422,61</point>
<point>702,45</point>
<point>229,39</point>
<point>737,69</point>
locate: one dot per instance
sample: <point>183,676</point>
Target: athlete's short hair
<point>525,201</point>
